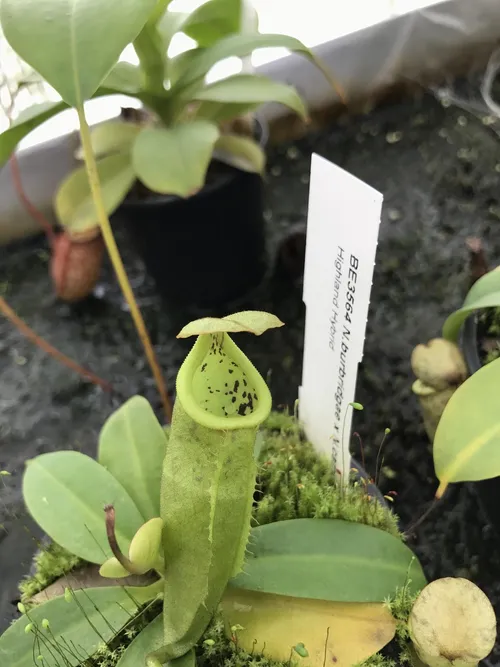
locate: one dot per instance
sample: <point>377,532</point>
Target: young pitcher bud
<point>452,623</point>
<point>113,569</point>
<point>439,364</point>
<point>75,266</point>
<point>144,549</point>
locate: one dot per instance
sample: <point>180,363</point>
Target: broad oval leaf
<point>66,492</point>
<point>148,640</point>
<point>24,124</point>
<point>467,441</point>
<point>241,152</point>
<point>485,293</point>
<point>213,20</point>
<point>328,559</point>
<point>252,89</point>
<point>91,617</point>
<point>114,136</point>
<point>72,44</point>
<point>74,205</point>
<point>132,447</point>
<point>339,633</point>
<point>175,160</point>
<point>251,321</point>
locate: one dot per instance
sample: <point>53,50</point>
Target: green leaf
<point>239,45</point>
<point>213,20</point>
<point>91,617</point>
<point>149,639</point>
<point>175,160</point>
<point>124,78</point>
<point>73,202</point>
<point>177,66</point>
<point>328,559</point>
<point>219,112</point>
<point>132,447</point>
<point>252,89</point>
<point>66,492</point>
<point>485,293</point>
<point>467,441</point>
<point>169,25</point>
<point>241,152</point>
<point>24,124</point>
<point>73,45</point>
<point>115,136</point>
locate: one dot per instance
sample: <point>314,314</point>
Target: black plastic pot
<point>488,490</point>
<point>209,249</point>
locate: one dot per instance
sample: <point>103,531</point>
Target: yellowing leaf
<point>252,321</point>
<point>333,633</point>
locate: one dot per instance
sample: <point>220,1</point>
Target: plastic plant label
<point>342,232</point>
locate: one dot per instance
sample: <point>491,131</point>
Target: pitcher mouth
<point>219,387</point>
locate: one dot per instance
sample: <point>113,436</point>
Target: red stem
<point>31,208</point>
<point>6,310</point>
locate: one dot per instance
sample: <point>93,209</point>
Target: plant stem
<point>35,213</point>
<point>125,562</point>
<point>116,260</point>
<point>10,314</point>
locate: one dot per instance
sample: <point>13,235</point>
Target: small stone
<point>497,167</point>
<point>304,178</point>
<point>494,210</point>
<point>443,133</point>
<point>445,102</point>
<point>418,120</point>
<point>394,214</point>
<point>268,215</point>
<point>462,121</point>
<point>275,170</point>
<point>389,473</point>
<point>18,358</point>
<point>393,137</point>
<point>489,120</point>
<point>467,154</point>
<point>292,153</point>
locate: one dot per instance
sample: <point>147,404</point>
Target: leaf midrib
<point>348,558</point>
<point>140,466</point>
<point>74,67</point>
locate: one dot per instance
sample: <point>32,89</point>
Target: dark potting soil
<point>488,334</point>
<point>438,170</point>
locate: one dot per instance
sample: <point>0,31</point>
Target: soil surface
<point>438,168</point>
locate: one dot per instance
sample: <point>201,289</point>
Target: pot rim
<point>469,344</point>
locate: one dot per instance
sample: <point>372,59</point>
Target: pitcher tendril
<point>109,511</point>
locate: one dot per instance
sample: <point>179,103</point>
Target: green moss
<point>296,482</point>
<point>50,563</point>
